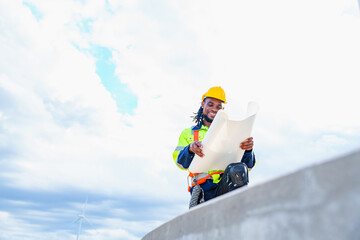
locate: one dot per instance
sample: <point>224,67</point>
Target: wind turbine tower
<point>81,217</point>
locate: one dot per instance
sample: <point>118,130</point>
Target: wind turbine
<point>81,217</point>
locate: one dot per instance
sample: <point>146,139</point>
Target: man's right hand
<point>196,147</point>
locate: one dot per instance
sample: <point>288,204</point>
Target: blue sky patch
<point>38,15</point>
<point>108,7</point>
<point>126,101</point>
<point>86,25</point>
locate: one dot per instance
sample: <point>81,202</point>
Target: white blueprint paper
<point>222,141</point>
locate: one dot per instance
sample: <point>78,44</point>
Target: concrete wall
<point>320,202</point>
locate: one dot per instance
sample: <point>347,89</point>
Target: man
<point>205,186</point>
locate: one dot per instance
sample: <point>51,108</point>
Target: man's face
<point>210,108</point>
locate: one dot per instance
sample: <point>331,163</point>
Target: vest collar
<point>199,127</point>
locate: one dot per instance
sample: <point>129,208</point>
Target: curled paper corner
<point>252,108</point>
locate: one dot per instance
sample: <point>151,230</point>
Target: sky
<point>94,95</point>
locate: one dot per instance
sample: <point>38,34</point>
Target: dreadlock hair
<point>198,117</point>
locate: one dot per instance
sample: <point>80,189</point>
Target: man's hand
<point>248,144</point>
<point>196,147</point>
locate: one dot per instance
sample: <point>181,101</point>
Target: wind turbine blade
<point>87,220</point>
<point>84,206</point>
<point>76,220</point>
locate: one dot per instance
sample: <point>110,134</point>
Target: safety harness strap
<point>196,135</point>
<point>199,181</point>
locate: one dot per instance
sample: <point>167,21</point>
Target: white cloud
<point>14,228</point>
<point>295,58</point>
<point>108,234</point>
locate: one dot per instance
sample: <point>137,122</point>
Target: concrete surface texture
<point>319,202</point>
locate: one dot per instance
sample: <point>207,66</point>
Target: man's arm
<point>185,158</point>
<point>187,154</point>
<point>182,157</point>
<point>248,157</point>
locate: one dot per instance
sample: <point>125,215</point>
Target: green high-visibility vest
<point>187,137</point>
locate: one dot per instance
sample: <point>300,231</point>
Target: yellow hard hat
<point>215,92</point>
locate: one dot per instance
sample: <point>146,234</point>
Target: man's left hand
<point>248,144</point>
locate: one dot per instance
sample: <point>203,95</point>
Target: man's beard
<point>207,118</point>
